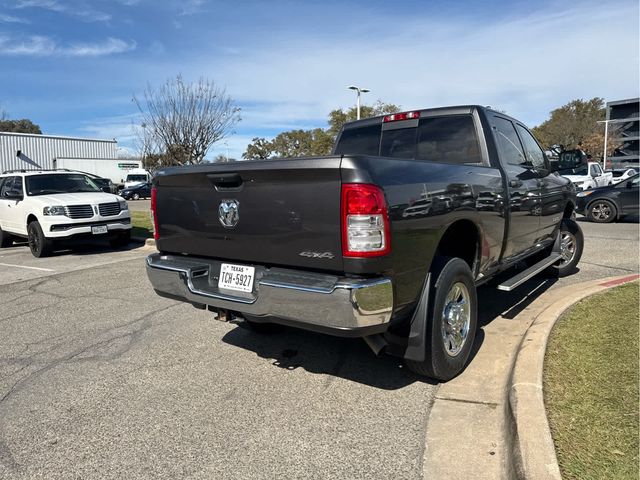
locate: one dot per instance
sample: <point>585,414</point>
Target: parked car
<point>105,185</point>
<point>365,259</point>
<point>606,204</point>
<point>589,176</point>
<point>137,192</point>
<point>46,207</point>
<point>621,174</point>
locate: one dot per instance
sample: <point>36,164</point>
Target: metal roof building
<point>27,150</point>
<point>625,114</point>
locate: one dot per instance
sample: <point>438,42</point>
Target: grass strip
<point>591,386</point>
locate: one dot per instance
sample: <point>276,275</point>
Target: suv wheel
<point>452,322</point>
<point>39,245</point>
<point>136,196</point>
<point>6,240</point>
<point>602,211</point>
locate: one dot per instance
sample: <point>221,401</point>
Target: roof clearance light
<point>395,117</point>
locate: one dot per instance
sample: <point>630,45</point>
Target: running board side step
<point>533,270</point>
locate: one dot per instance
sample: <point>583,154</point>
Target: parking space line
<point>24,266</point>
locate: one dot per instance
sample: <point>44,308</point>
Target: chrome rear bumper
<point>337,305</point>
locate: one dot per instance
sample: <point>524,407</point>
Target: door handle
<point>515,183</point>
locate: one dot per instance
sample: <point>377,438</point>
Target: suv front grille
<point>109,209</point>
<point>79,211</point>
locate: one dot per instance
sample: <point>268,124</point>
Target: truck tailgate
<point>288,212</point>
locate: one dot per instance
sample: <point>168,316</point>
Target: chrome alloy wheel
<point>601,211</point>
<point>456,318</point>
<point>567,247</point>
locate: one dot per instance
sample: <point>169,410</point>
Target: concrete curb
<point>148,242</point>
<point>534,452</point>
<point>492,412</point>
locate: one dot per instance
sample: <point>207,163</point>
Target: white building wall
<point>42,149</point>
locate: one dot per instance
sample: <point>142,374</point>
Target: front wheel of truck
<point>452,322</point>
<point>571,246</point>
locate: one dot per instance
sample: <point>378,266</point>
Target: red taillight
<point>395,117</point>
<point>154,215</point>
<point>365,221</point>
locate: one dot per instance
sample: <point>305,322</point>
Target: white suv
<point>46,206</point>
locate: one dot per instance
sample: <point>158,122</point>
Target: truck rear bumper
<point>327,303</point>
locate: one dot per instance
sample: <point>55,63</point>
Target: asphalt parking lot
<point>101,378</point>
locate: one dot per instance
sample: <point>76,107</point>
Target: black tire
<point>136,196</point>
<point>570,233</point>
<point>602,211</point>
<point>6,240</point>
<point>443,362</point>
<point>39,245</point>
<point>121,239</point>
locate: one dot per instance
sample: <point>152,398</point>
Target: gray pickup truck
<point>387,239</point>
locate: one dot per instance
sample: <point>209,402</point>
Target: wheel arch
<point>461,239</point>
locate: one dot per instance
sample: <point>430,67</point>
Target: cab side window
<point>17,184</point>
<point>508,142</point>
<point>533,152</point>
<point>6,186</point>
<point>596,171</point>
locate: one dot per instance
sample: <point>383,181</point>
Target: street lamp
<point>359,90</point>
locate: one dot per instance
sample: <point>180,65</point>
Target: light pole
<point>359,90</point>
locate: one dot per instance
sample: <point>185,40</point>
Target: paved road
<point>100,378</point>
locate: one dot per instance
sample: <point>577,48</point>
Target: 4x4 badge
<point>229,213</point>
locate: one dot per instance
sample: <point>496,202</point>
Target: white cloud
<point>41,46</point>
<point>77,9</point>
<point>190,7</point>
<point>12,19</point>
<point>526,65</point>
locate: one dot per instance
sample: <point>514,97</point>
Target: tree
<point>220,158</point>
<point>316,142</point>
<point>190,116</point>
<point>570,125</point>
<point>259,149</point>
<point>18,126</point>
<point>338,117</point>
<point>174,156</point>
<point>594,145</point>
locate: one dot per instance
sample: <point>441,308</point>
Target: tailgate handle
<point>225,181</point>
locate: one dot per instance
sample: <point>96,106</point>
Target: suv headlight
<point>54,210</point>
<point>123,205</point>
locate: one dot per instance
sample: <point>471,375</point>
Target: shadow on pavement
<point>351,359</point>
<point>78,247</point>
<point>346,358</point>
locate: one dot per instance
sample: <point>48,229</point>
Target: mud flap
<point>416,342</point>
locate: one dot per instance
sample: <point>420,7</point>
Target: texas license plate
<point>236,277</point>
<point>98,229</point>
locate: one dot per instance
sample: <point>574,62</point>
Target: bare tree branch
<point>185,120</point>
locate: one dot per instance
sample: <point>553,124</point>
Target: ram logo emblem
<point>229,213</point>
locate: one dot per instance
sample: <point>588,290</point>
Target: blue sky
<point>72,66</point>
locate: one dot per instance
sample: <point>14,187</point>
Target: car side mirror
<point>13,194</point>
<point>629,184</point>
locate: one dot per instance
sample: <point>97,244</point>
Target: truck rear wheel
<point>452,322</point>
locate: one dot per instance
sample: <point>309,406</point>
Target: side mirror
<point>630,185</point>
<point>13,195</point>
<point>106,189</point>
